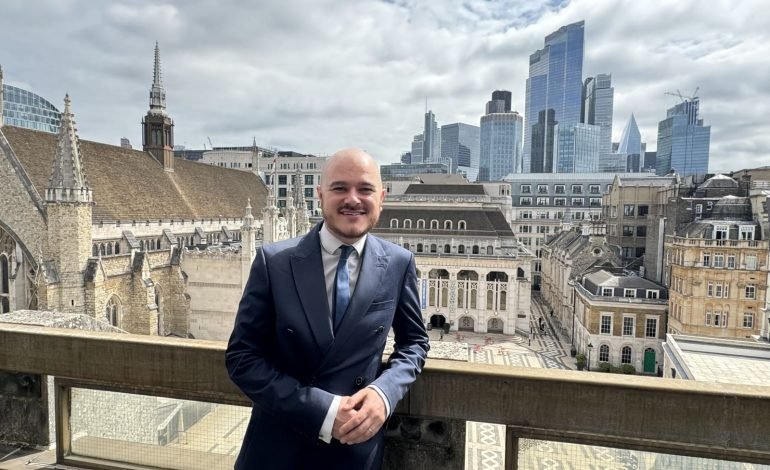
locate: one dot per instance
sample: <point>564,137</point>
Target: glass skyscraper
<point>578,148</point>
<point>460,145</point>
<point>500,145</point>
<point>22,108</point>
<point>554,95</point>
<point>598,101</point>
<point>683,141</point>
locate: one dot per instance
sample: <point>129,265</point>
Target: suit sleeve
<point>411,341</point>
<point>249,360</point>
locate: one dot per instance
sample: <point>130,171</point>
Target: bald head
<point>351,157</point>
<point>351,194</point>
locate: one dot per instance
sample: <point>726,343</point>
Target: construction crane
<point>210,143</point>
<point>682,97</point>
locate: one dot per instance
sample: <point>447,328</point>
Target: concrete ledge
<point>659,415</point>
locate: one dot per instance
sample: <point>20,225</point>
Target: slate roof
<point>131,185</point>
<point>479,222</point>
<point>447,189</point>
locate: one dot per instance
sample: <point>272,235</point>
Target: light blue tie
<point>342,286</point>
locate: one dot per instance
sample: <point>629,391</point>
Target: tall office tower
<point>503,95</point>
<point>406,158</point>
<point>500,144</point>
<point>554,95</point>
<point>495,106</point>
<point>631,145</point>
<point>683,140</point>
<point>417,145</point>
<point>578,148</point>
<point>460,145</point>
<point>598,99</point>
<point>431,147</point>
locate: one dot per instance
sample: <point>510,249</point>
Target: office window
<point>748,320</point>
<point>628,210</point>
<point>731,261</point>
<point>751,262</point>
<point>628,231</point>
<point>652,294</point>
<point>750,292</point>
<point>629,293</point>
<point>593,188</point>
<point>525,229</point>
<point>309,180</point>
<point>542,201</point>
<point>625,355</point>
<point>526,189</point>
<point>281,192</point>
<point>628,326</point>
<point>710,289</point>
<point>560,201</point>
<point>641,230</point>
<point>627,252</point>
<point>526,214</point>
<point>577,189</point>
<point>643,210</point>
<point>309,192</point>
<point>525,201</point>
<point>719,260</point>
<point>651,328</point>
<point>577,201</point>
<point>559,189</point>
<point>746,233</point>
<point>542,189</point>
<point>595,202</point>
<point>281,179</point>
<point>606,324</point>
<point>708,318</point>
<point>706,260</point>
<point>604,353</point>
<point>607,292</point>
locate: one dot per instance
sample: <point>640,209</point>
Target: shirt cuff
<point>325,434</point>
<point>384,399</point>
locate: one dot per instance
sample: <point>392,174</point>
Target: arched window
<point>447,248</point>
<point>447,225</point>
<point>503,300</point>
<point>102,250</point>
<point>604,353</point>
<point>5,287</point>
<point>461,249</point>
<point>475,249</point>
<point>157,244</point>
<point>141,245</point>
<point>434,224</point>
<point>117,248</point>
<point>112,311</point>
<point>408,223</point>
<point>461,225</point>
<point>432,247</point>
<point>109,249</point>
<point>406,245</point>
<point>95,250</point>
<point>420,224</point>
<point>625,355</point>
<point>393,223</point>
<point>419,248</point>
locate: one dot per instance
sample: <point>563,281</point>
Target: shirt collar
<point>330,243</point>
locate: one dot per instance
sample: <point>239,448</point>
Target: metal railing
<point>720,421</point>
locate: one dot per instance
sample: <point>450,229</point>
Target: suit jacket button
<point>380,329</point>
<point>359,381</point>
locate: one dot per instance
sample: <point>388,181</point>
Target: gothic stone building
<point>98,229</point>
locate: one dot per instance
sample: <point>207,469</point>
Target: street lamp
<point>590,347</point>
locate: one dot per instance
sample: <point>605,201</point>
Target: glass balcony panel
<point>156,432</point>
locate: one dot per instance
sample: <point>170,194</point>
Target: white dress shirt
<point>330,255</point>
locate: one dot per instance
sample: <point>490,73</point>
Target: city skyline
<point>231,74</point>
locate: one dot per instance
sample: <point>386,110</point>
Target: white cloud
<point>317,76</point>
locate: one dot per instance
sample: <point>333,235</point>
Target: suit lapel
<point>309,281</point>
<point>374,263</point>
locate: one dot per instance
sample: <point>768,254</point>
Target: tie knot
<point>345,251</point>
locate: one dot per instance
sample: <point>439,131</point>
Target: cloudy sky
<point>317,75</point>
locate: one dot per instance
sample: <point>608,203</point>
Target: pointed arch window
<point>5,287</point>
<point>112,311</point>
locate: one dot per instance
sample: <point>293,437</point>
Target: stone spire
<point>157,93</point>
<point>68,180</point>
<point>302,219</point>
<point>248,219</point>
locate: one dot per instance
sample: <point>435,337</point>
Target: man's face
<point>351,196</point>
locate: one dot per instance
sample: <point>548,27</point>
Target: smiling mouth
<point>351,212</point>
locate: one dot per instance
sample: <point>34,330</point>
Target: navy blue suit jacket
<point>285,357</point>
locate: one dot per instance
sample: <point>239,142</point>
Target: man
<point>311,328</point>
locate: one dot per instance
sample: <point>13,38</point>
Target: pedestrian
<point>308,353</point>
<point>441,335</point>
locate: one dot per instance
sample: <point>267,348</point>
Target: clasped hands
<point>359,417</point>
